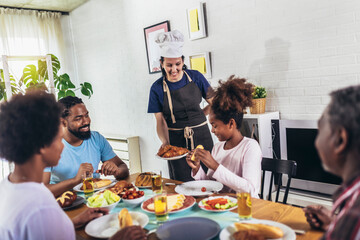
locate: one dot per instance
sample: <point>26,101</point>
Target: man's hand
<point>130,233</point>
<point>109,168</point>
<point>88,215</point>
<point>84,167</point>
<point>318,216</point>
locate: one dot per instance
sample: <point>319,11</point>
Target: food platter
<point>202,206</point>
<point>108,225</point>
<point>193,188</point>
<point>78,201</point>
<point>172,158</point>
<point>182,228</point>
<point>77,187</point>
<point>188,203</point>
<point>289,234</point>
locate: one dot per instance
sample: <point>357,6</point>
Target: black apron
<point>182,111</point>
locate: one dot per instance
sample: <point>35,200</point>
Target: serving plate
<point>78,201</point>
<point>289,234</point>
<point>202,206</point>
<point>193,188</point>
<point>172,158</point>
<point>188,203</point>
<point>77,187</point>
<point>189,228</point>
<point>108,225</point>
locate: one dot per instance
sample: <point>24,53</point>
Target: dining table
<point>288,215</point>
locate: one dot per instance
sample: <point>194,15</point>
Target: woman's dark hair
<point>344,110</point>
<point>28,123</point>
<point>68,102</point>
<point>163,70</point>
<point>231,98</point>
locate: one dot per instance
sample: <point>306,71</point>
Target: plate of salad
<point>218,204</point>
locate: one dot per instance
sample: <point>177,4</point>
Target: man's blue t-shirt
<point>92,150</point>
<point>156,98</point>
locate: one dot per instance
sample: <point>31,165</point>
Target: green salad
<point>104,199</point>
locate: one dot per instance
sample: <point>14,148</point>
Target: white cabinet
<point>127,148</point>
<point>260,125</point>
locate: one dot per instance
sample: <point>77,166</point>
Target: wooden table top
<point>261,209</point>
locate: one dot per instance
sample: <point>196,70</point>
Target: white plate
<point>188,203</point>
<point>289,234</point>
<point>202,206</point>
<point>172,158</point>
<point>108,225</point>
<point>77,187</point>
<point>193,188</point>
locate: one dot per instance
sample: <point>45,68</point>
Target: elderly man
<point>338,144</point>
<point>83,151</point>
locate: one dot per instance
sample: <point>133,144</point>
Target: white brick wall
<point>300,50</point>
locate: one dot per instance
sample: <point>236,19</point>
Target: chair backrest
<point>277,168</point>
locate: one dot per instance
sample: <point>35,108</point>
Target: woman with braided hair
<point>236,160</point>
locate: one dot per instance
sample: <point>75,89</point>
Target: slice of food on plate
<point>144,179</point>
<point>169,151</point>
<point>120,187</point>
<point>267,231</point>
<point>99,183</point>
<point>247,235</point>
<point>174,202</point>
<point>193,155</point>
<point>125,218</point>
<point>66,199</point>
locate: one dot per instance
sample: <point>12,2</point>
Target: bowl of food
<point>107,199</point>
<point>133,198</point>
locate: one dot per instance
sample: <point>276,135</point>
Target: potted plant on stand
<point>259,100</point>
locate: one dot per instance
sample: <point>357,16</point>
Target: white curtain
<point>28,33</point>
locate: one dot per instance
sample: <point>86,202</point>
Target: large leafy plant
<point>36,78</point>
<point>259,92</point>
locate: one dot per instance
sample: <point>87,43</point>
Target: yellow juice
<point>160,205</point>
<point>244,205</point>
<point>88,185</point>
<point>156,183</point>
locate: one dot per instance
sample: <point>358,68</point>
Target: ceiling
<point>53,5</point>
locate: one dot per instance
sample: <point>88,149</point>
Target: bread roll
<point>66,199</point>
<point>193,156</point>
<point>125,219</point>
<point>248,235</point>
<point>266,230</point>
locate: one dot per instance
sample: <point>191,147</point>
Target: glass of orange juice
<point>244,204</point>
<point>160,206</point>
<point>88,184</point>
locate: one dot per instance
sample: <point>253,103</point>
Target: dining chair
<point>277,168</point>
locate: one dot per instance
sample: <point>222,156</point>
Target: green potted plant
<point>36,78</point>
<point>259,100</point>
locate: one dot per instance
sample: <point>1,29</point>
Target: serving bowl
<point>110,207</point>
<point>133,202</point>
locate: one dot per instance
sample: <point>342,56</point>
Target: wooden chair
<point>277,167</point>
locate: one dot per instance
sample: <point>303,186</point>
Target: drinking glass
<point>156,182</point>
<point>160,205</point>
<point>88,184</point>
<point>244,204</point>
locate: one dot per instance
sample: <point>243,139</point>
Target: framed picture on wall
<point>196,21</point>
<point>152,49</point>
<point>201,62</point>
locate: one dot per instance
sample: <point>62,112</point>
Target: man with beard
<point>83,150</point>
<point>338,145</point>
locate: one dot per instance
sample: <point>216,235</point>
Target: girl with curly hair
<point>236,160</point>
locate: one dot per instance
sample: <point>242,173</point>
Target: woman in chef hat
<point>175,100</point>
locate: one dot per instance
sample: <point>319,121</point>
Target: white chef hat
<point>170,44</point>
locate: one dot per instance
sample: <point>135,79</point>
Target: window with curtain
<point>28,33</point>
